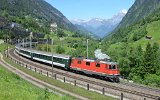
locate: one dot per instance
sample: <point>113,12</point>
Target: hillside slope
<point>38,9</point>
<point>138,30</point>
<point>138,33</point>
<point>139,10</point>
<point>136,49</point>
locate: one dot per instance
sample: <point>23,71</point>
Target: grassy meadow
<point>13,87</point>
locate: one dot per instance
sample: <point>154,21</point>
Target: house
<point>148,37</point>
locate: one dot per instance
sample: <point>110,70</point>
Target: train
<point>107,70</point>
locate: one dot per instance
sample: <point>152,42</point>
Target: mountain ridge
<point>134,30</point>
<point>99,26</point>
<point>139,10</point>
<point>38,9</point>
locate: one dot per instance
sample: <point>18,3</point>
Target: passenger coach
<point>58,60</point>
<point>45,57</point>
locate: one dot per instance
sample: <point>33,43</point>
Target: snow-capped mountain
<point>99,26</point>
<point>78,21</point>
<point>94,22</point>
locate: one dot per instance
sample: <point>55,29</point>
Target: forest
<point>138,56</point>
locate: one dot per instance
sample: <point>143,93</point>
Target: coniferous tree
<point>138,69</point>
<point>155,50</point>
<point>139,56</point>
<point>155,56</point>
<point>148,60</point>
<point>158,63</point>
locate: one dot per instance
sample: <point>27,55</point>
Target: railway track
<point>141,87</point>
<point>126,88</point>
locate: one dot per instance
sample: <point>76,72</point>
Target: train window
<point>79,62</point>
<point>54,59</point>
<point>88,63</point>
<point>59,60</point>
<point>97,65</point>
<point>63,61</point>
<point>41,56</point>
<point>49,58</point>
<point>112,67</point>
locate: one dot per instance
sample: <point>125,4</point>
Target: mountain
<point>85,32</point>
<point>143,27</point>
<point>38,9</point>
<point>98,26</point>
<point>139,10</point>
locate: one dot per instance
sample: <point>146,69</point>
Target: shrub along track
<point>130,91</point>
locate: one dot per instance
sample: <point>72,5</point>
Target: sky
<point>87,9</point>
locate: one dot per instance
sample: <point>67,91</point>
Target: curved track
<point>37,82</point>
<point>126,88</point>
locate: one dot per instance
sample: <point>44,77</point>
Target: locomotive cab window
<point>79,62</point>
<point>97,65</point>
<point>88,63</point>
<point>112,67</point>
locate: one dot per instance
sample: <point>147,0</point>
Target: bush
<point>60,49</point>
<point>47,49</point>
<point>152,80</point>
<point>39,48</point>
<point>60,33</point>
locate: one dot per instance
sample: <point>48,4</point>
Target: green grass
<point>153,30</point>
<point>68,32</point>
<point>3,47</point>
<point>12,87</point>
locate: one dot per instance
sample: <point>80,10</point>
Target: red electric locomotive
<point>106,69</point>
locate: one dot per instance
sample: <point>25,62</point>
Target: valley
<point>98,26</point>
<point>130,38</point>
